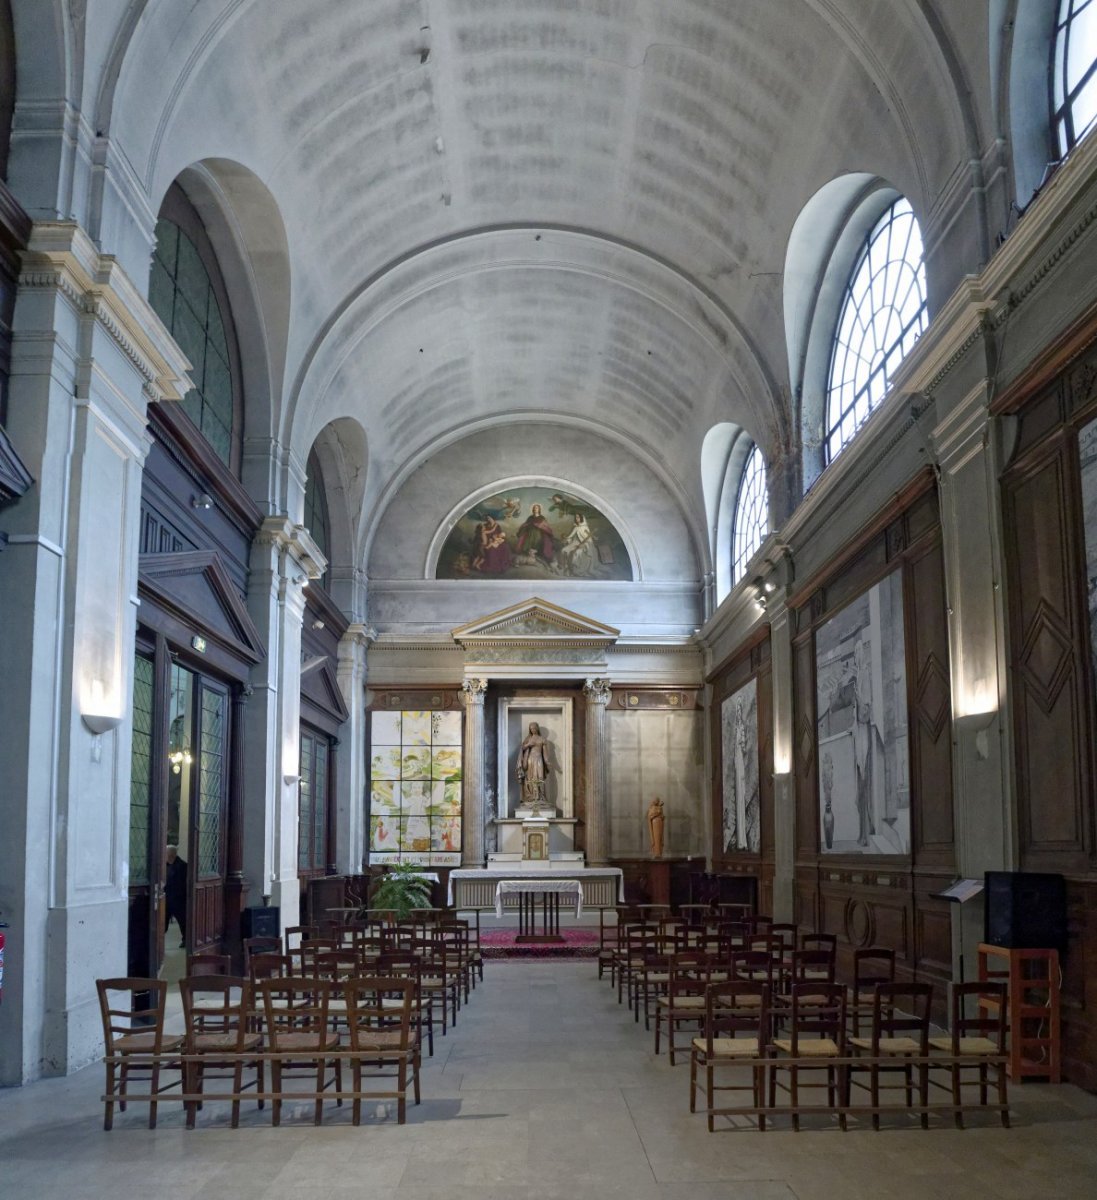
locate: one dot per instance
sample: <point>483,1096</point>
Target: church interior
<point>603,488</point>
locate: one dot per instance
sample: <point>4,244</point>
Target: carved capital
<point>597,691</point>
<point>473,690</point>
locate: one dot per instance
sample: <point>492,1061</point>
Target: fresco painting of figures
<point>530,532</point>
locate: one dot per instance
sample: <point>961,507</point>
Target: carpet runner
<point>578,943</point>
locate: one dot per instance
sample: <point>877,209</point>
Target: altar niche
<point>547,830</point>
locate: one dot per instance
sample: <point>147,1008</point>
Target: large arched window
<point>187,294</point>
<point>1074,73</point>
<point>751,514</point>
<point>882,315</point>
<point>316,509</point>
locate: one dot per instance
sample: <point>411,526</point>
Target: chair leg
<point>402,1084</point>
<point>760,1094</point>
<point>154,1082</point>
<point>260,1080</point>
<point>710,1094</point>
<point>318,1115</point>
<point>923,1093</point>
<point>692,1080</point>
<point>276,1087</point>
<point>237,1087</point>
<point>794,1095</point>
<point>108,1103</point>
<point>1002,1097</point>
<point>338,1082</point>
<point>416,1064</point>
<point>123,1080</point>
<point>356,1106</point>
<point>874,1085</point>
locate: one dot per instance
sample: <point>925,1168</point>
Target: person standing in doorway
<point>175,893</point>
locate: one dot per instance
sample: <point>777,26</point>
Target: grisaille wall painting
<point>528,532</point>
<point>739,745</point>
<point>861,693</point>
<point>1087,448</point>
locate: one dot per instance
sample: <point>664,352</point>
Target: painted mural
<point>533,532</point>
<point>739,743</point>
<point>861,693</point>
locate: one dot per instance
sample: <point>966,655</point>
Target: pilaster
<point>473,692</point>
<point>353,777</point>
<point>597,693</point>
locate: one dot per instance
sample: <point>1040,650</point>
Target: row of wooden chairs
<point>232,1028</point>
<point>746,1029</point>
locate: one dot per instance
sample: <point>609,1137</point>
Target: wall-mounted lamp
<point>291,780</point>
<point>98,724</point>
<point>760,592</point>
<point>204,501</point>
<point>318,624</point>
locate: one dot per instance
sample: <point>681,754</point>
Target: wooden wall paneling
<point>803,749</point>
<point>765,772</point>
<point>1079,992</point>
<point>1049,674</point>
<point>930,713</point>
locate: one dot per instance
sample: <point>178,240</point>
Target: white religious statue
<point>533,769</point>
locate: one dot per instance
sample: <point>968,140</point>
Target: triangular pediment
<point>320,686</point>
<point>536,622</point>
<point>194,587</point>
<point>14,477</point>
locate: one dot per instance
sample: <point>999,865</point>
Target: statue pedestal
<point>535,840</point>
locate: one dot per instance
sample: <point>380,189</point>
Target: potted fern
<point>401,889</point>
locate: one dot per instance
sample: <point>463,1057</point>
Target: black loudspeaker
<point>1025,911</point>
<point>261,922</point>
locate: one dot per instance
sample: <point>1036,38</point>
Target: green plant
<point>401,889</point>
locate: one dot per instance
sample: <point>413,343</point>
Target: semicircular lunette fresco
<point>530,532</point>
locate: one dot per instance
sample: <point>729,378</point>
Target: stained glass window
<point>211,783</point>
<point>883,315</point>
<point>183,298</point>
<point>751,514</point>
<point>312,809</point>
<point>141,770</point>
<point>1074,72</point>
<point>415,787</point>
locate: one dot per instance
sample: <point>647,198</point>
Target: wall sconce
<point>204,501</point>
<point>760,592</point>
<point>99,724</point>
<point>291,780</point>
<point>177,758</point>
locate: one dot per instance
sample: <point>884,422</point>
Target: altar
<point>475,888</point>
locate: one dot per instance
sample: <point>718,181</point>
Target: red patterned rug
<point>501,943</point>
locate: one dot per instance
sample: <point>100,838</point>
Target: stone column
<point>283,559</point>
<point>596,772</point>
<point>88,354</point>
<point>473,691</point>
<point>351,834</point>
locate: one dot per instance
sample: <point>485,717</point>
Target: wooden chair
<point>295,934</point>
<point>900,1031</point>
<point>440,981</point>
<point>819,941</point>
<point>807,966</point>
<point>259,945</point>
<point>731,1009</point>
<point>382,1034</point>
<point>410,967</point>
<point>637,940</point>
<point>454,935</point>
<point>816,1035</point>
<point>132,1031</point>
<point>299,1031</point>
<point>753,966</point>
<point>873,965</point>
<point>684,1002</point>
<point>980,1036</point>
<point>650,981</point>
<point>216,1014</point>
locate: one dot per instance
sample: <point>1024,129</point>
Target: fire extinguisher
<point>3,926</point>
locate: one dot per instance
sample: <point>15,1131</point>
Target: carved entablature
<point>535,635</point>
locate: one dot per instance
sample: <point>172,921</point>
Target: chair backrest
<point>306,954</point>
<point>815,965</point>
<point>737,932</point>
<point>752,966</point>
<point>818,1011</point>
<point>733,912</point>
<point>334,965</point>
<point>902,1010</point>
<point>737,1006</point>
<point>402,966</point>
<point>118,1001</point>
<point>268,966</point>
<point>690,973</point>
<point>990,1022</point>
<point>819,941</point>
<point>293,1005</point>
<point>208,964</point>
<point>786,932</point>
<point>296,934</point>
<point>761,922</point>
<point>260,945</point>
<point>873,965</point>
<point>216,1004</point>
<point>768,943</point>
<point>367,1013</point>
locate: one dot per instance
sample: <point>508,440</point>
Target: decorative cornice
<point>535,622</point>
<point>296,543</point>
<point>61,257</point>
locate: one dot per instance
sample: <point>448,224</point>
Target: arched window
<point>882,315</point>
<point>183,292</point>
<point>1074,73</point>
<point>316,509</point>
<point>751,514</point>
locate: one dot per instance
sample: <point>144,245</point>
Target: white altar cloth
<point>571,888</point>
<point>580,873</point>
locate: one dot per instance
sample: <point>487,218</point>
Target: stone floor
<point>545,1089</point>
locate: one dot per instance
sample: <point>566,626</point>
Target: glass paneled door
<point>178,809</point>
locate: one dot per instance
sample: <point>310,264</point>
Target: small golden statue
<point>656,820</point>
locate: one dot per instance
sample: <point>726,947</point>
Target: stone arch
<point>342,450</point>
<point>723,456</point>
<point>1024,93</point>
